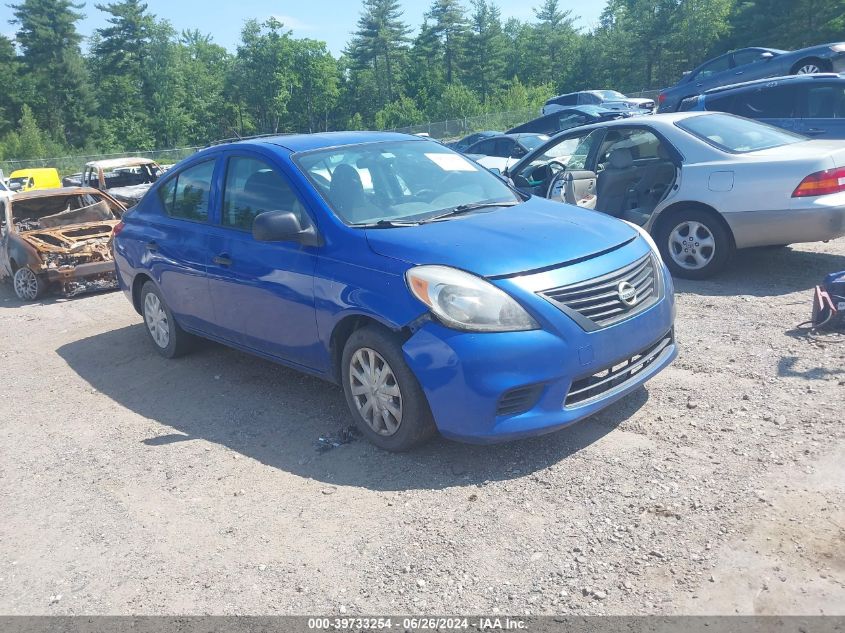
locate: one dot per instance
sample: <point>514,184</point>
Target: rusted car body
<point>126,179</point>
<point>59,239</point>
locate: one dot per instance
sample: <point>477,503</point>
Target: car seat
<point>655,179</point>
<point>347,193</point>
<point>615,181</point>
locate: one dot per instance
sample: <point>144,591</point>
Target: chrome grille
<point>617,376</point>
<point>598,303</point>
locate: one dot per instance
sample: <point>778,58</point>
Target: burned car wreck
<point>58,239</point>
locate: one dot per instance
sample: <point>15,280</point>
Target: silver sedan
<point>703,184</point>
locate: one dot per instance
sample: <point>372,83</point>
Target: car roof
<point>324,140</point>
<point>31,170</point>
<point>663,120</point>
<point>769,80</point>
<point>113,163</point>
<point>49,193</point>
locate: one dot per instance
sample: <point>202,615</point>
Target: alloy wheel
<point>156,319</point>
<point>375,391</point>
<point>808,69</point>
<point>692,245</point>
<point>26,284</point>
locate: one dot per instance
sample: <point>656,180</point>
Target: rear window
<point>737,135</point>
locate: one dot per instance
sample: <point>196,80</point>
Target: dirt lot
<point>130,484</point>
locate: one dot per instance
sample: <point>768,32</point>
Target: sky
<point>329,20</point>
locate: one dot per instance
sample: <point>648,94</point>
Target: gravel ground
<point>130,484</point>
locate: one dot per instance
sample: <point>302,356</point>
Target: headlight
<point>838,48</point>
<point>466,302</point>
<point>646,236</point>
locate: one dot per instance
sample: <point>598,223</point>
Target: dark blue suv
<point>813,105</point>
<point>438,296</point>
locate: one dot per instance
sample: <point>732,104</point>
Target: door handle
<point>223,260</point>
<point>814,131</point>
<point>152,247</point>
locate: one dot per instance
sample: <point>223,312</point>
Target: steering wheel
<point>426,194</point>
<point>557,186</point>
<point>554,163</point>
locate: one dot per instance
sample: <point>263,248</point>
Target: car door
<point>821,109</point>
<point>5,223</point>
<point>176,242</point>
<point>263,292</point>
<point>750,64</point>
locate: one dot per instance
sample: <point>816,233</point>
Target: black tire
<point>178,341</point>
<point>822,65</point>
<point>417,424</point>
<point>717,257</point>
<point>28,285</point>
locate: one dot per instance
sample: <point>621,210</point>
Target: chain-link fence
<point>75,164</point>
<point>456,128</point>
<point>442,130</point>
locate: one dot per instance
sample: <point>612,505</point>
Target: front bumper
<point>809,220</point>
<point>470,379</point>
<point>68,274</point>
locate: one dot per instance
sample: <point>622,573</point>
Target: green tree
<point>449,28</point>
<point>262,77</point>
<point>789,24</point>
<point>317,86</point>
<point>486,49</point>
<point>380,44</point>
<point>555,40</point>
<point>400,113</point>
<point>62,98</point>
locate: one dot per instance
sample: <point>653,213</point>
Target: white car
<point>702,183</point>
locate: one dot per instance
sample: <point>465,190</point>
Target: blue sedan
<point>436,295</point>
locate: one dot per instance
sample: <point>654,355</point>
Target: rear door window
<point>186,196</point>
<point>777,102</point>
<point>822,101</point>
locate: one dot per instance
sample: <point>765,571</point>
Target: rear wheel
<point>28,285</point>
<point>810,66</point>
<point>385,399</point>
<point>694,244</point>
<point>168,338</point>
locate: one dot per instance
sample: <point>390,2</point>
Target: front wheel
<point>385,399</point>
<point>28,285</point>
<point>694,244</point>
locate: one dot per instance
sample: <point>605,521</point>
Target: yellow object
<point>29,179</point>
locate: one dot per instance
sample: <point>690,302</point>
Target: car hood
<point>531,236</point>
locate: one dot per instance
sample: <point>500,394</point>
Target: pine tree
<point>449,28</point>
<point>486,49</point>
<point>63,100</point>
<point>380,43</point>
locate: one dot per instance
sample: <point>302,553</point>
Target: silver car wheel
<point>156,319</point>
<point>692,245</point>
<point>808,69</point>
<point>26,284</point>
<point>375,391</point>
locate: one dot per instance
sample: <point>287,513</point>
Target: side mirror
<point>284,226</point>
<point>767,56</point>
<point>495,170</point>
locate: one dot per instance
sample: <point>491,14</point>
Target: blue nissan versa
<point>436,295</point>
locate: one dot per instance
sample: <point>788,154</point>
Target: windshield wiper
<point>385,224</point>
<point>469,208</point>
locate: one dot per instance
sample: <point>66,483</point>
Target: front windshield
<point>533,141</point>
<point>404,181</point>
<point>611,95</point>
<point>19,183</point>
<point>737,135</point>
